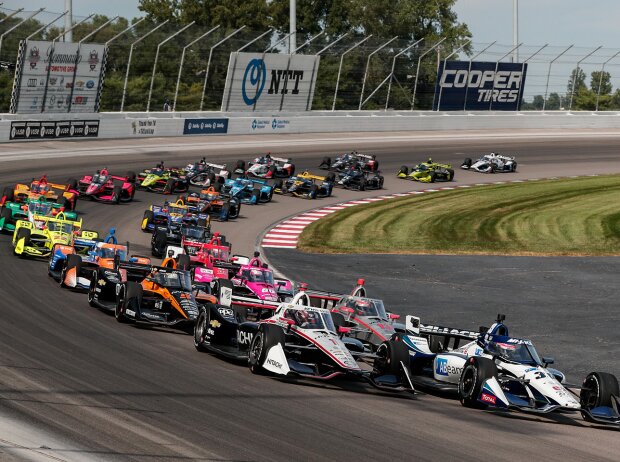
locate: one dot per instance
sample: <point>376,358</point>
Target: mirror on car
<point>548,360</point>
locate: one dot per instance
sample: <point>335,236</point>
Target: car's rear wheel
<point>91,289</point>
<point>466,163</point>
<point>183,262</point>
<point>391,355</point>
<point>116,193</point>
<point>450,174</point>
<point>129,297</point>
<point>403,170</point>
<point>256,196</point>
<point>268,336</point>
<point>8,194</point>
<point>200,330</point>
<point>159,244</point>
<point>597,390</point>
<point>476,371</point>
<point>7,215</point>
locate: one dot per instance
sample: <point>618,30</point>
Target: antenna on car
<point>501,317</point>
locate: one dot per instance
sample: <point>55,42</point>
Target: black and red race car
<point>104,187</point>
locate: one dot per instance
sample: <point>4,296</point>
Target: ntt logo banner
<point>479,86</point>
<point>269,82</point>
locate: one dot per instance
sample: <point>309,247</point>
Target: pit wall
<point>163,124</point>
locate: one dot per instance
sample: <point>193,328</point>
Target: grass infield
<point>579,216</point>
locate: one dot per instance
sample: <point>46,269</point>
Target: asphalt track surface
<point>76,385</point>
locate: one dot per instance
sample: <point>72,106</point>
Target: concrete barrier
<point>163,124</point>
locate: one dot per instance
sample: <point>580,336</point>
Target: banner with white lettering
<point>479,86</point>
<point>57,77</point>
<point>270,82</point>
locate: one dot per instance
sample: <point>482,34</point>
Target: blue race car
<point>248,191</point>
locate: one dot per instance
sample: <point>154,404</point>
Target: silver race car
<point>491,163</point>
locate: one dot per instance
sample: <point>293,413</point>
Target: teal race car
<point>12,212</point>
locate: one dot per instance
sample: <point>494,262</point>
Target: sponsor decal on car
<point>488,398</point>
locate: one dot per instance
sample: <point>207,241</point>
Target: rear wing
<point>220,166</point>
<point>281,159</point>
<point>253,302</point>
<point>310,176</point>
<point>364,156</point>
<point>449,332</point>
<point>60,218</point>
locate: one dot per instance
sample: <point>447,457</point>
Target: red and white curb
<point>285,234</point>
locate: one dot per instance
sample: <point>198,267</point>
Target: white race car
<point>267,167</point>
<point>491,163</point>
<point>499,371</point>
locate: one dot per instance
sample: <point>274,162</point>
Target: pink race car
<point>104,187</point>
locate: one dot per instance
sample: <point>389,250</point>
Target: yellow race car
<point>37,238</point>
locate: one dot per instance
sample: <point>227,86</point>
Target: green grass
<point>578,216</point>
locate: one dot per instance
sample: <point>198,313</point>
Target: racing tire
<point>72,183</point>
<point>514,168</point>
<point>91,289</point>
<point>380,182</point>
<point>269,335</point>
<point>7,215</point>
<point>200,330</point>
<point>131,177</point>
<point>475,372</point>
<point>270,195</point>
<point>433,177</point>
<point>466,163</point>
<point>159,245</point>
<point>256,196</point>
<point>218,186</point>
<point>130,296</point>
<point>314,191</point>
<point>272,171</point>
<point>240,165</point>
<point>116,193</point>
<point>183,262</point>
<point>330,178</point>
<point>148,218</point>
<point>362,186</point>
<point>327,161</point>
<point>450,174</point>
<point>8,194</point>
<point>25,234</point>
<point>66,204</point>
<point>233,211</point>
<point>278,185</point>
<point>211,178</point>
<point>390,354</point>
<point>404,170</point>
<point>225,212</point>
<point>291,171</point>
<point>72,261</point>
<point>598,389</point>
<point>170,186</point>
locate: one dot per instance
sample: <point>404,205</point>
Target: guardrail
<point>163,124</point>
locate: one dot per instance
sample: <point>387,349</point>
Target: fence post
<point>600,80</point>
<point>204,86</point>
<point>417,72</point>
<point>129,61</point>
<point>549,73</point>
<point>148,102</point>
<point>523,69</point>
<point>572,93</point>
<point>45,26</point>
<point>340,67</point>
<point>387,99</point>
<point>176,91</point>
<point>469,69</point>
<point>445,60</point>
<point>8,31</point>
<point>368,65</point>
<point>515,48</point>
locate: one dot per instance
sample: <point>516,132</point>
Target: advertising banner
<point>35,130</point>
<point>269,82</point>
<point>479,86</point>
<point>57,77</point>
<point>205,126</point>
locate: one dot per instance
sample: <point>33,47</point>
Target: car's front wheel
<point>476,371</point>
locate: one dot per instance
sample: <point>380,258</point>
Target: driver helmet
<point>301,318</point>
<point>362,307</point>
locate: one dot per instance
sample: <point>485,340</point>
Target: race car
<point>163,179</point>
<point>354,159</point>
<point>205,174</point>
<point>211,201</point>
<point>170,213</point>
<point>39,238</point>
<point>11,212</point>
<point>182,232</point>
<point>74,266</point>
<point>491,163</point>
<point>64,194</point>
<point>427,172</point>
<point>301,340</point>
<point>306,185</point>
<point>104,187</point>
<point>356,178</point>
<point>193,237</point>
<point>248,191</point>
<point>163,296</point>
<point>267,167</point>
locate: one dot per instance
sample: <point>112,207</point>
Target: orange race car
<point>64,194</point>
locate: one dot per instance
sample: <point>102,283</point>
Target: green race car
<point>163,180</point>
<point>427,172</point>
<point>11,212</point>
<point>38,238</point>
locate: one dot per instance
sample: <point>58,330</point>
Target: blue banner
<point>479,86</point>
<point>205,126</point>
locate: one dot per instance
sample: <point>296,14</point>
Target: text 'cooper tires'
<point>475,372</point>
<point>200,330</point>
<point>597,390</point>
<point>267,337</point>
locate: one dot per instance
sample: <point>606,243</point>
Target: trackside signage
<point>269,82</point>
<point>479,86</point>
<point>58,77</point>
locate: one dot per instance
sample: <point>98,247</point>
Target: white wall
<point>130,125</point>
